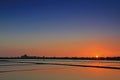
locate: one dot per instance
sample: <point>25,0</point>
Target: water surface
<point>15,70</point>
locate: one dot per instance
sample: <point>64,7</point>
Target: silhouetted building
<point>25,56</point>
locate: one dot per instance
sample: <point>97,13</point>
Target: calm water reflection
<point>55,72</point>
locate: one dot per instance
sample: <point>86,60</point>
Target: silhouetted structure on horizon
<point>24,56</point>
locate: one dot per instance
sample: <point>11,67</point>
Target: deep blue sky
<point>31,20</point>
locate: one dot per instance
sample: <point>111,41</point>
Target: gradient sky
<point>60,27</point>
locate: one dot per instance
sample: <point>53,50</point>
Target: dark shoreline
<point>25,56</point>
<point>64,58</point>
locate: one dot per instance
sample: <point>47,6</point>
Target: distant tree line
<point>72,58</point>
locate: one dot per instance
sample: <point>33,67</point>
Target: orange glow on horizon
<point>96,56</point>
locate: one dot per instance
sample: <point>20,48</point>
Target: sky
<point>78,28</point>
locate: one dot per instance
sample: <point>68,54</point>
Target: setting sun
<point>96,56</point>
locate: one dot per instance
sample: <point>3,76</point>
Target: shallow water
<point>13,70</point>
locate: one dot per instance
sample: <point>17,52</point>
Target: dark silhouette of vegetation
<point>25,56</point>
